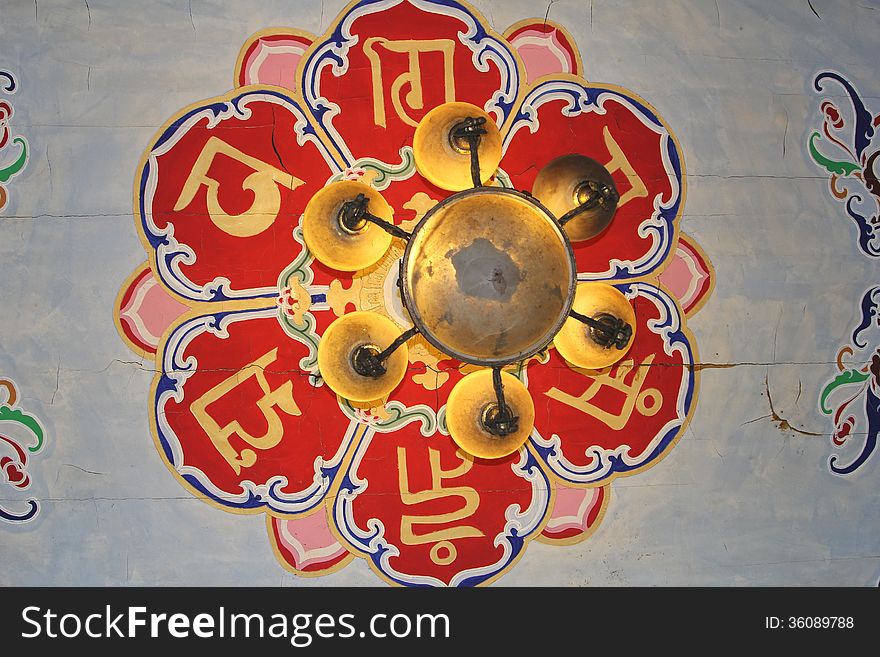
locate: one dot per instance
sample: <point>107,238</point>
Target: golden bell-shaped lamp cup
<point>565,183</point>
<point>576,342</point>
<point>339,346</point>
<point>472,402</point>
<point>335,245</point>
<point>445,160</point>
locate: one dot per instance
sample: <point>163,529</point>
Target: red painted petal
<point>544,48</point>
<point>221,190</point>
<point>381,67</point>
<point>423,513</point>
<point>620,130</point>
<point>306,546</point>
<point>271,57</point>
<point>590,425</point>
<point>238,417</point>
<point>689,275</point>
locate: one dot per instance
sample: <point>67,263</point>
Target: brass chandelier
<point>488,277</point>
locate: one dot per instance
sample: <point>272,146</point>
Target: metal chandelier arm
<point>597,195</point>
<point>470,131</point>
<point>499,418</point>
<point>475,162</point>
<point>368,361</point>
<point>397,231</point>
<point>606,330</point>
<point>354,214</point>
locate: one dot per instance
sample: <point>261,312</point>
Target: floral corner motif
<point>13,148</point>
<point>21,436</point>
<point>852,397</point>
<point>232,305</point>
<point>847,146</point>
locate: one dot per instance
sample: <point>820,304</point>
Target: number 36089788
<point>809,622</point>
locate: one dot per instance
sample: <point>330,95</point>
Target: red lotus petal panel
<point>594,425</point>
<point>234,388</point>
<point>229,176</point>
<point>365,83</point>
<point>620,130</point>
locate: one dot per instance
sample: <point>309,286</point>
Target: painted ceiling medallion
<point>233,305</point>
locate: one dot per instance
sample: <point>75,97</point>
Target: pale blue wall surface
<point>737,502</point>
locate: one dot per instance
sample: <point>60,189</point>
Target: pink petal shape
<point>271,57</point>
<point>306,546</point>
<point>576,513</point>
<point>544,48</point>
<point>689,276</point>
<point>145,309</point>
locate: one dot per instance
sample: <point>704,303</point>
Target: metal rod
<point>354,212</point>
<point>397,231</point>
<point>607,330</point>
<point>403,337</point>
<point>499,387</point>
<point>599,195</point>
<point>583,207</point>
<point>589,321</point>
<point>475,160</point>
<point>471,130</point>
<point>500,420</point>
<point>368,361</point>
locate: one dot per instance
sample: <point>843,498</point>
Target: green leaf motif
<point>299,268</point>
<point>8,414</point>
<point>384,173</point>
<point>18,165</point>
<point>304,333</point>
<point>831,166</point>
<point>441,421</point>
<point>842,379</point>
<point>401,415</point>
